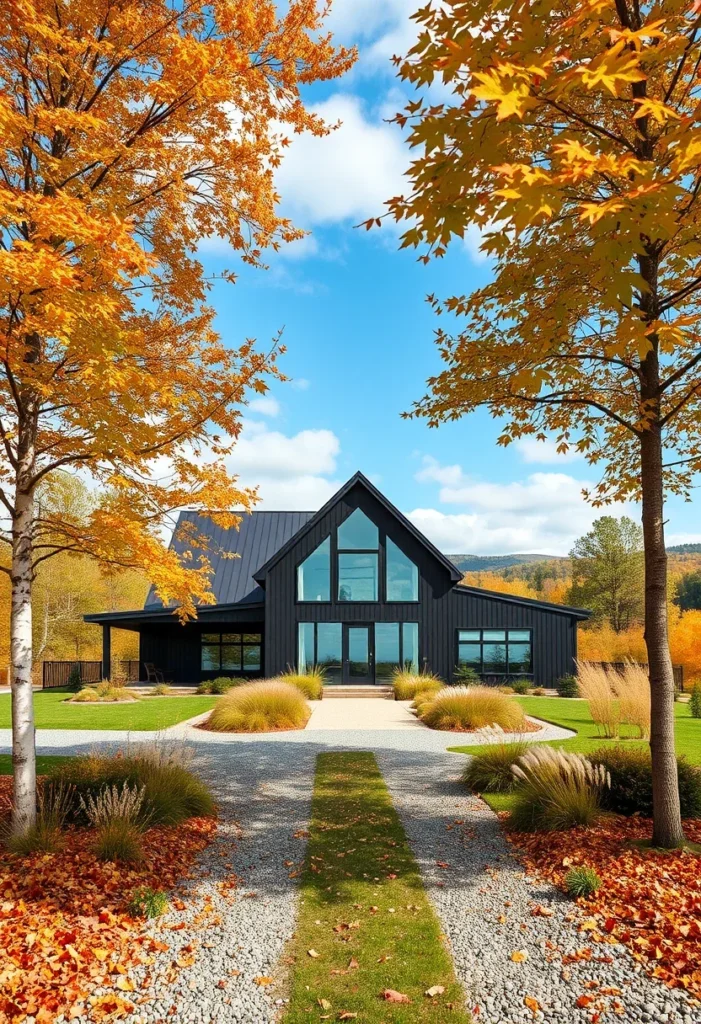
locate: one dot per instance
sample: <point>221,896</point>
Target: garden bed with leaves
<point>648,900</point>
<point>69,940</point>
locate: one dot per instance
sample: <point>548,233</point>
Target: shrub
<point>260,707</point>
<point>205,686</point>
<point>222,685</point>
<point>88,695</point>
<point>556,790</point>
<point>521,686</point>
<point>597,686</point>
<point>505,689</point>
<point>310,683</point>
<point>582,881</point>
<point>148,902</point>
<point>567,686</point>
<point>74,681</point>
<point>695,702</point>
<point>466,676</point>
<point>172,792</point>
<point>630,792</point>
<point>539,691</point>
<point>462,708</point>
<point>489,770</point>
<point>161,690</point>
<point>407,684</point>
<point>632,687</point>
<point>104,693</point>
<point>119,840</point>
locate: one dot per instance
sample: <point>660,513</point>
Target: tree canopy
<point>608,572</point>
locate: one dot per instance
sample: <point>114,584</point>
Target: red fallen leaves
<point>650,901</point>
<point>64,930</point>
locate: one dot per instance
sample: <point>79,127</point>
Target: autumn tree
<point>130,130</point>
<point>608,572</point>
<point>571,139</point>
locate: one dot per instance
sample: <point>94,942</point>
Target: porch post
<point>106,651</point>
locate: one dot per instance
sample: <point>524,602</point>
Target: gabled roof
<point>358,478</point>
<point>259,536</point>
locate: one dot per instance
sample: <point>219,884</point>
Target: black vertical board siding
<point>441,609</point>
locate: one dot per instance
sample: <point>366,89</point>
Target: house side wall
<point>440,611</point>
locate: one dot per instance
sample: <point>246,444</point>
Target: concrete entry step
<point>373,692</point>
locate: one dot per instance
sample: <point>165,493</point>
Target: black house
<point>355,588</point>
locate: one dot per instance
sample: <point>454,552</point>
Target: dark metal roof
<point>359,478</point>
<point>530,602</point>
<point>259,536</point>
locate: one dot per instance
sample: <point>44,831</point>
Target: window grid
<point>496,652</point>
<point>230,652</point>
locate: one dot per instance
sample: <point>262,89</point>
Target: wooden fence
<point>618,666</point>
<point>55,674</point>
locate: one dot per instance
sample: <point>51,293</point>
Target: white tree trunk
<point>23,738</point>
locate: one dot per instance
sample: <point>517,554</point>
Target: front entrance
<point>358,655</point>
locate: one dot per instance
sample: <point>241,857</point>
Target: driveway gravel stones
<point>492,911</point>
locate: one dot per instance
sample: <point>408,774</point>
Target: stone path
<point>362,713</point>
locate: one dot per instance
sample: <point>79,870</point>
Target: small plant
<point>46,836</point>
<point>489,770</point>
<point>148,902</point>
<point>556,790</point>
<point>464,708</point>
<point>104,693</point>
<point>539,691</point>
<point>464,675</point>
<point>205,686</point>
<point>521,686</point>
<point>74,681</point>
<point>695,702</point>
<point>119,840</point>
<point>567,686</point>
<point>260,707</point>
<point>310,683</point>
<point>407,684</point>
<point>88,695</point>
<point>505,689</point>
<point>114,802</point>
<point>161,690</point>
<point>582,881</point>
<point>221,685</point>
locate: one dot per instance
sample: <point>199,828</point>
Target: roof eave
<point>528,602</point>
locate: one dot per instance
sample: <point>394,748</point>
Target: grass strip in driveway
<point>368,945</point>
<point>151,714</point>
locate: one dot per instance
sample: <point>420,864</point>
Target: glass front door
<point>358,662</point>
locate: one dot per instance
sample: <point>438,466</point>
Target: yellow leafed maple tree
<point>130,130</point>
<point>571,139</point>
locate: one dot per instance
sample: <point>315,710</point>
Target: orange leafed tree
<point>131,129</point>
<point>572,141</point>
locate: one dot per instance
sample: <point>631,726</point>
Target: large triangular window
<point>358,558</point>
<point>358,533</point>
<point>402,575</point>
<point>314,574</point>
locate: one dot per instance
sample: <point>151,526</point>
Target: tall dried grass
<point>260,707</point>
<point>633,688</point>
<point>556,790</point>
<point>597,686</point>
<point>406,684</point>
<point>464,708</point>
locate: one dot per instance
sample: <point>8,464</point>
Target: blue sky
<point>359,339</point>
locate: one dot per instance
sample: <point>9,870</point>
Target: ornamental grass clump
<point>407,684</point>
<point>104,693</point>
<point>118,817</point>
<point>268,706</point>
<point>582,881</point>
<point>310,683</point>
<point>556,790</point>
<point>489,769</point>
<point>632,685</point>
<point>465,708</point>
<point>47,834</point>
<point>597,686</point>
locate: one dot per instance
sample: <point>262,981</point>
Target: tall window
<point>358,558</point>
<point>396,644</point>
<point>402,575</point>
<point>501,652</point>
<point>321,644</point>
<point>314,574</point>
<point>230,652</point>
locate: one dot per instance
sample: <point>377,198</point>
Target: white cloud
<point>300,383</point>
<point>544,513</point>
<point>347,175</point>
<point>544,452</point>
<point>291,472</point>
<point>682,538</point>
<point>266,405</point>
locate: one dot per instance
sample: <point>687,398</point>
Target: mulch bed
<point>64,927</point>
<point>648,900</point>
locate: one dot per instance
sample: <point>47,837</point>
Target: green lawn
<point>149,714</point>
<point>574,714</point>
<point>45,762</point>
<point>365,924</point>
